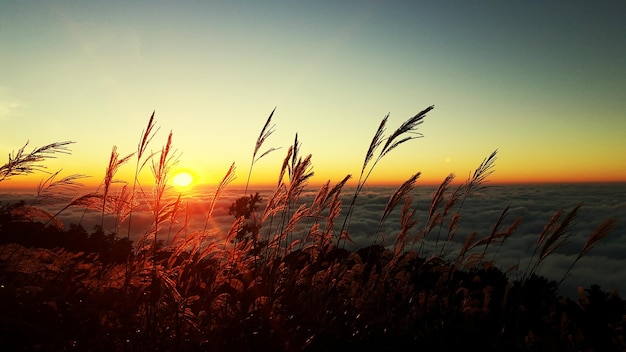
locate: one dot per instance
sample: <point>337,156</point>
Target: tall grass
<point>22,163</point>
<point>266,131</point>
<point>146,137</point>
<point>115,162</point>
<point>406,132</point>
<point>281,277</point>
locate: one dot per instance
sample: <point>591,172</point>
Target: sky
<point>542,82</point>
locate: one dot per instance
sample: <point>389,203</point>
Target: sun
<point>182,179</point>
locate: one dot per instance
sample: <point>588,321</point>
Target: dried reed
<point>401,193</point>
<point>52,187</point>
<point>553,236</point>
<point>21,163</point>
<point>109,178</point>
<point>301,286</point>
<point>146,137</point>
<point>394,140</point>
<point>596,236</point>
<point>266,131</point>
<point>407,222</point>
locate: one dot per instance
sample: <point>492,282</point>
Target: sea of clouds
<point>605,265</point>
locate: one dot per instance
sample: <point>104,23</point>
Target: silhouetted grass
<point>281,278</point>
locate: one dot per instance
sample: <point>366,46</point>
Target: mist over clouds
<point>535,204</point>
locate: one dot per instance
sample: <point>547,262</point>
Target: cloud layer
<point>536,204</point>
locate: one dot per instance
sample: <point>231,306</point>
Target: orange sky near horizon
<point>263,176</point>
<point>540,82</point>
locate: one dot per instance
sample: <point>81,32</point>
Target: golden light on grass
<point>294,231</point>
<point>183,179</point>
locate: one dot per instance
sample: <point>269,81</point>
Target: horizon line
<point>14,186</point>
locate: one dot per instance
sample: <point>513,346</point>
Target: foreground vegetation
<point>282,279</point>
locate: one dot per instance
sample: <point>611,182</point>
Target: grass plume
<point>22,163</point>
<point>401,193</point>
<point>266,131</point>
<point>280,280</point>
<point>596,236</point>
<point>146,137</point>
<point>407,131</point>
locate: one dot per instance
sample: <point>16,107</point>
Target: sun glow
<point>182,179</point>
